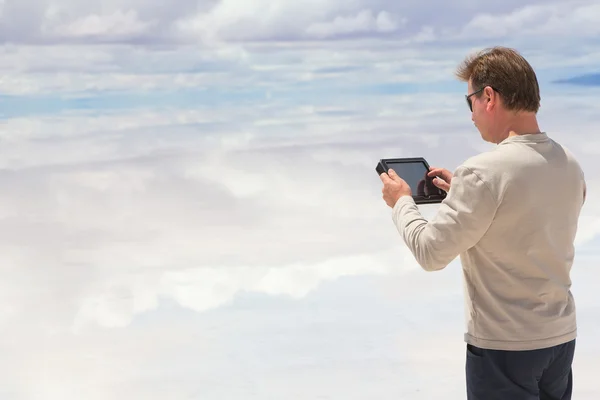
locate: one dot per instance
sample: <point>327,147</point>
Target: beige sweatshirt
<point>511,215</point>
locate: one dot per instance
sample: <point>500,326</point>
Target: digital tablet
<point>414,171</point>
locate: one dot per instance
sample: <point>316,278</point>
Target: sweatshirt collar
<point>527,138</point>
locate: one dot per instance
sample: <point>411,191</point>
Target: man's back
<point>517,279</point>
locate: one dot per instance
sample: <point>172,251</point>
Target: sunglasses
<point>468,97</point>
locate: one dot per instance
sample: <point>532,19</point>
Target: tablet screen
<point>414,173</point>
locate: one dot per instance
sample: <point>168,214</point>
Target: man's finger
<point>384,177</point>
<point>392,174</point>
<point>441,184</point>
<point>440,173</point>
<point>435,172</point>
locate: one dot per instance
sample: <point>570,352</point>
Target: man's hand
<point>443,178</point>
<point>394,187</point>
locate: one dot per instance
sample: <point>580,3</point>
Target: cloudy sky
<point>189,207</point>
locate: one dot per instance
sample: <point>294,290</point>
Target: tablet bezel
<point>383,167</point>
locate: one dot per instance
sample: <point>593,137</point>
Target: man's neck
<point>522,124</point>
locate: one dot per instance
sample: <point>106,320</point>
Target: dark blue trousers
<point>543,374</point>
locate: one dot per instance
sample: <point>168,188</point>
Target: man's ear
<point>492,97</point>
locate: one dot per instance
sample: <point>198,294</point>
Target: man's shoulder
<point>497,158</point>
<point>483,164</point>
<point>571,156</point>
<point>489,167</point>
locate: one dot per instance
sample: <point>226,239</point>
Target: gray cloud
<point>147,23</point>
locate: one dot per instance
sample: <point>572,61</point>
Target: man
<point>511,214</point>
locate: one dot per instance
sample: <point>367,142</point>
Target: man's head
<point>502,88</point>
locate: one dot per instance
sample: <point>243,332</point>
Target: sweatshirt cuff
<point>400,204</point>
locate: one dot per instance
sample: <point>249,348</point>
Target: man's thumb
<point>392,174</point>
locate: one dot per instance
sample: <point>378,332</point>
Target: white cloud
<point>118,24</point>
<point>100,69</point>
<point>89,83</point>
<point>148,216</point>
<point>283,20</point>
<point>239,20</point>
<point>363,21</point>
<point>205,288</point>
<point>130,240</point>
<point>217,21</point>
<point>567,19</point>
<point>278,66</point>
<point>200,219</point>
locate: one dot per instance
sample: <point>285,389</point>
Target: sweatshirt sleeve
<point>462,219</point>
